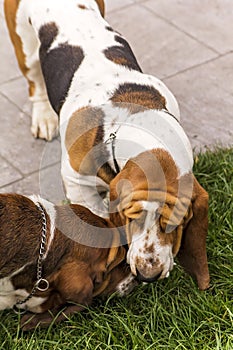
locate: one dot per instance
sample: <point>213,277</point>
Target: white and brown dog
<point>120,132</point>
<point>43,266</point>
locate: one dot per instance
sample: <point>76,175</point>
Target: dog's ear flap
<point>101,6</point>
<point>73,283</point>
<point>117,252</point>
<point>116,256</point>
<point>192,254</point>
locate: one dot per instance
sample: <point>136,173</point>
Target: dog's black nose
<point>141,278</point>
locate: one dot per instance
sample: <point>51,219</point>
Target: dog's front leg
<point>73,288</point>
<point>30,321</point>
<point>85,190</point>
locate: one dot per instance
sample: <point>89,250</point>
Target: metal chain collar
<point>112,140</point>
<point>41,284</point>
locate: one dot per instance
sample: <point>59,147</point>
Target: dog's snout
<point>142,278</point>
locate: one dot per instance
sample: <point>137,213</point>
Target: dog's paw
<point>126,286</point>
<point>44,121</point>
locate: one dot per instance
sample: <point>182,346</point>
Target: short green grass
<point>170,314</point>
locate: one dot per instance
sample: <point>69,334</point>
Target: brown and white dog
<point>120,132</point>
<point>75,272</point>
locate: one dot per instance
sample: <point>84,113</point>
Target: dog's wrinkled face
<point>163,215</point>
<point>151,250</point>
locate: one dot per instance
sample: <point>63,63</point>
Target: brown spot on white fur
<point>84,143</point>
<point>82,134</point>
<point>82,7</point>
<point>150,248</point>
<point>142,95</point>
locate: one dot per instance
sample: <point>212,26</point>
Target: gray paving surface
<point>186,43</point>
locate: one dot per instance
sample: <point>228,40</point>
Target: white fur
<point>147,130</point>
<point>9,296</point>
<point>150,263</point>
<point>44,120</point>
<point>83,189</point>
<point>126,285</point>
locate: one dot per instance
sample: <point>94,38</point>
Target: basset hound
<point>56,257</point>
<point>121,136</point>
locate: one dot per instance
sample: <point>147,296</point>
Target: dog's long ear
<point>192,254</point>
<point>101,6</point>
<point>117,252</point>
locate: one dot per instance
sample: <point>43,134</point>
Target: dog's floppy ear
<point>117,252</point>
<point>192,254</point>
<point>119,256</point>
<point>101,6</point>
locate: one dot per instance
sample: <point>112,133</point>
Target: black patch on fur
<point>109,28</point>
<point>122,54</point>
<point>58,65</point>
<point>47,34</point>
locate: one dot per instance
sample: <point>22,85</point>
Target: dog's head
<point>164,215</point>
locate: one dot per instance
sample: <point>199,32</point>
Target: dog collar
<point>41,284</point>
<point>112,140</point>
<point>172,115</point>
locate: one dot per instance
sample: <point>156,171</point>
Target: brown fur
<point>76,272</point>
<point>192,254</point>
<point>101,7</point>
<point>139,95</point>
<point>82,133</point>
<point>82,7</point>
<point>10,9</point>
<point>87,153</point>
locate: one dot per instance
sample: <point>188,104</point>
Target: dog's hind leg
<point>26,46</point>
